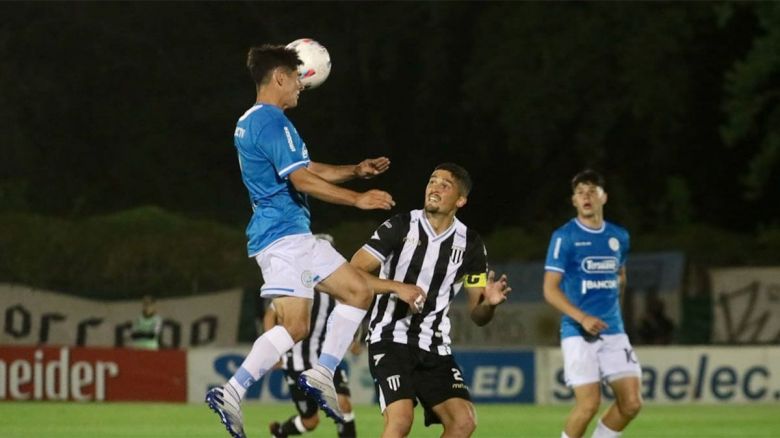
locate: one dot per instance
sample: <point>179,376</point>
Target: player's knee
<point>360,295</point>
<point>297,328</point>
<point>630,408</point>
<point>587,407</point>
<point>399,424</point>
<point>311,423</point>
<point>462,426</point>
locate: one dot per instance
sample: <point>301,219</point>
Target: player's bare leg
<point>354,297</point>
<point>587,399</point>
<point>628,402</point>
<point>399,416</point>
<point>458,417</point>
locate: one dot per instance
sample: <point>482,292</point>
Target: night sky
<point>110,106</point>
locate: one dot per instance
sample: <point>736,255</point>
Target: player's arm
<point>554,295</point>
<point>367,264</point>
<point>622,279</point>
<point>366,169</point>
<point>310,183</point>
<point>485,294</point>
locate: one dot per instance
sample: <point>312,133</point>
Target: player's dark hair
<point>261,61</point>
<point>461,176</point>
<point>587,176</point>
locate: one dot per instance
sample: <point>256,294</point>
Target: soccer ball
<point>316,61</point>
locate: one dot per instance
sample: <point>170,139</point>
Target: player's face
<point>442,195</point>
<point>589,200</point>
<point>291,89</point>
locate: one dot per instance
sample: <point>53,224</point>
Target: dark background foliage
<point>107,107</point>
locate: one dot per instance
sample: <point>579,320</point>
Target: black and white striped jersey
<point>304,354</point>
<point>412,253</point>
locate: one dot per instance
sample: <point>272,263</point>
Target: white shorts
<point>293,265</point>
<point>609,358</point>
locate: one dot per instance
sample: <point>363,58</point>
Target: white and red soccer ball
<point>316,61</point>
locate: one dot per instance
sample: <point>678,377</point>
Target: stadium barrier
<point>92,374</point>
<point>38,317</point>
<point>671,375</point>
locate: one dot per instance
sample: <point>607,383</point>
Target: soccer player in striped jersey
<point>303,356</point>
<point>409,349</point>
<point>585,275</point>
<point>279,175</point>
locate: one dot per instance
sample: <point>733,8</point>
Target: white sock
<point>264,354</point>
<point>603,431</point>
<point>298,422</point>
<point>348,416</point>
<point>342,325</point>
<point>563,434</point>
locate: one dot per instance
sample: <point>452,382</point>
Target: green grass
<point>59,420</point>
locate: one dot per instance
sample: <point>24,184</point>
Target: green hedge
<point>124,255</point>
<point>149,250</point>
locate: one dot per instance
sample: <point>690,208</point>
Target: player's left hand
<point>496,290</point>
<point>372,167</point>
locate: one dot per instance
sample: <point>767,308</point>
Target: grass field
<point>59,420</point>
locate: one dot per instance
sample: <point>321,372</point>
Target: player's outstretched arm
<point>308,182</point>
<point>556,298</point>
<point>411,294</point>
<point>485,295</point>
<point>336,174</point>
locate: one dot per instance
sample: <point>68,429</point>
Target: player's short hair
<point>587,176</point>
<point>461,176</point>
<point>262,60</point>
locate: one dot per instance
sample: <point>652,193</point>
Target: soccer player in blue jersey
<point>279,175</point>
<point>584,277</point>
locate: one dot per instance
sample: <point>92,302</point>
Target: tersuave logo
<point>55,378</point>
<point>600,265</point>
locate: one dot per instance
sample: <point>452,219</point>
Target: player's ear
<point>278,76</point>
<point>462,200</point>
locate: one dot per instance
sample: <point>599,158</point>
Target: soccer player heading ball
<point>279,176</point>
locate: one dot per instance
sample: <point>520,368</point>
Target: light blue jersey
<point>269,150</point>
<point>590,261</point>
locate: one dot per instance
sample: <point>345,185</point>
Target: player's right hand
<point>593,325</point>
<point>374,200</point>
<point>412,295</point>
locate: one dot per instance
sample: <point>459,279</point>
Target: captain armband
<point>475,280</point>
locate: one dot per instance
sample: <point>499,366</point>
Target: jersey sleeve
<point>475,262</point>
<point>284,148</point>
<point>387,238</point>
<point>626,246</point>
<point>557,253</point>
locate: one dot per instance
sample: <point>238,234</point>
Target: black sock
<point>289,427</point>
<point>347,430</point>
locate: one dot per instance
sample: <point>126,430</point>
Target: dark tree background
<point>109,106</point>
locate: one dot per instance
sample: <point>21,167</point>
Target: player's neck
<point>267,97</point>
<point>440,222</point>
<point>595,222</point>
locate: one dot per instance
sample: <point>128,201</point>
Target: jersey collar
<point>591,230</point>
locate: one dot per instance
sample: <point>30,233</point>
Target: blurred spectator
<point>146,328</point>
<point>655,328</point>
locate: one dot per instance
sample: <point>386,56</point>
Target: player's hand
<point>374,200</point>
<point>412,295</point>
<point>372,167</point>
<point>496,290</point>
<point>593,325</point>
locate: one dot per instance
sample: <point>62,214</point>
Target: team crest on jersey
<point>613,243</point>
<point>307,278</point>
<point>456,255</point>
